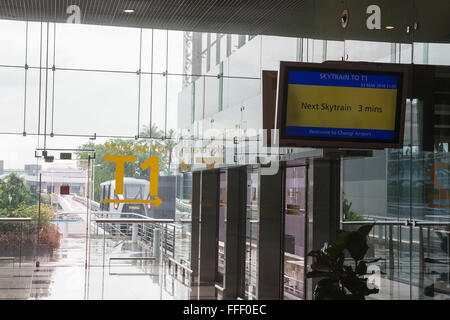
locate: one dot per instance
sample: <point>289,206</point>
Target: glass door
<point>221,235</point>
<point>294,233</point>
<point>252,234</point>
<point>63,210</point>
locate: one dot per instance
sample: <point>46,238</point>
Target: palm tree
<point>149,133</point>
<point>169,144</point>
<point>152,131</point>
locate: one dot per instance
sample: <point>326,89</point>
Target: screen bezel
<point>343,67</point>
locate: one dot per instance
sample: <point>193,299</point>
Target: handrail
<point>126,220</point>
<point>179,264</point>
<point>218,287</point>
<point>398,223</point>
<point>291,278</point>
<point>377,222</point>
<point>426,223</point>
<point>133,258</point>
<point>3,220</point>
<point>120,214</point>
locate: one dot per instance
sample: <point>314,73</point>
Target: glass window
<point>294,234</point>
<point>97,47</point>
<point>96,102</point>
<point>13,40</point>
<point>252,235</point>
<point>221,262</point>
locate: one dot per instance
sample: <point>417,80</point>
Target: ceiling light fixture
<point>128,11</point>
<point>389,27</point>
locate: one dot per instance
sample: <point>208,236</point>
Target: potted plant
<point>338,280</point>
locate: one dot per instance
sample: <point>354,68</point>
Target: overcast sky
<point>84,102</point>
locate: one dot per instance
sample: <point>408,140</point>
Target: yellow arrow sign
<point>157,202</point>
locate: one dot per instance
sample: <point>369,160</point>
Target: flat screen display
<point>340,106</point>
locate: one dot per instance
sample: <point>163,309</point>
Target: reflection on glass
<point>221,262</point>
<point>252,234</point>
<point>294,234</point>
<point>411,234</point>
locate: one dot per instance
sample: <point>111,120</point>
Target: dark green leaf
<point>361,268</point>
<point>357,245</point>
<point>365,229</point>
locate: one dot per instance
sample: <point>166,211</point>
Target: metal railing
<point>411,247</point>
<point>293,289</point>
<point>152,259</point>
<point>5,220</point>
<point>174,267</point>
<point>21,221</point>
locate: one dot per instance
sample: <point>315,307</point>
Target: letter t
<point>120,166</point>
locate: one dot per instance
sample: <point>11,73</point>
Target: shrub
<point>10,233</point>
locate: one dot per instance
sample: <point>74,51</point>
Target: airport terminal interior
<point>153,150</point>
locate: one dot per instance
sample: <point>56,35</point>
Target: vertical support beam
<point>209,214</point>
<point>270,273</point>
<point>235,232</point>
<point>218,37</point>
<point>421,262</point>
<point>134,233</point>
<point>241,40</point>
<point>208,52</point>
<point>196,55</point>
<point>322,217</point>
<point>196,185</point>
<point>391,252</point>
<point>228,45</point>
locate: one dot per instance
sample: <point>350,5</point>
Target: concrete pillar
<point>156,242</point>
<point>134,232</point>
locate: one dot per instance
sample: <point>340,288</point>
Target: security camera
<point>344,18</point>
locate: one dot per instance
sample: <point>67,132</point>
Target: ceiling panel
<point>232,16</point>
<point>294,18</point>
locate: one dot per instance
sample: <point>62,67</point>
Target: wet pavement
<point>64,275</point>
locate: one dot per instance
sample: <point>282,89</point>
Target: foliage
<point>51,236</point>
<point>16,201</point>
<point>47,198</point>
<point>13,233</point>
<point>340,281</point>
<point>350,215</point>
<point>46,214</point>
<point>14,193</point>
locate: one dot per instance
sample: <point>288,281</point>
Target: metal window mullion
<point>139,85</point>
<point>46,85</point>
<point>165,98</point>
<point>193,102</point>
<point>26,78</point>
<point>40,85</point>
<point>151,87</point>
<point>54,75</point>
<point>221,86</point>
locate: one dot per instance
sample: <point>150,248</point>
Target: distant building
<point>1,166</point>
<point>32,169</point>
<point>54,177</point>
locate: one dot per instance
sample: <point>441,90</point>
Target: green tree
<point>14,193</point>
<point>149,132</point>
<point>169,145</point>
<point>350,215</point>
<point>168,142</point>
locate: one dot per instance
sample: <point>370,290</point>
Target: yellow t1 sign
<point>152,163</point>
